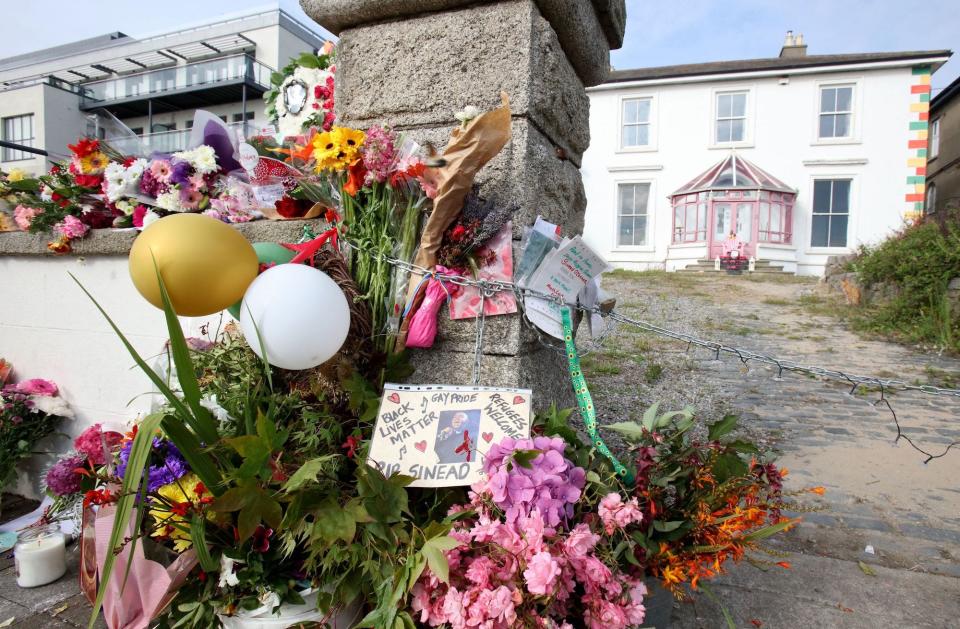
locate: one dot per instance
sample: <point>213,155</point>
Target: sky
<point>659,32</point>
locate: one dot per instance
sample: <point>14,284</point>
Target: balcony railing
<point>166,141</point>
<point>177,78</point>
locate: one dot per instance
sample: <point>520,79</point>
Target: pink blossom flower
<point>160,169</point>
<point>190,198</point>
<point>617,514</point>
<point>24,215</point>
<point>37,386</point>
<point>71,227</point>
<point>97,444</point>
<point>580,541</point>
<point>541,573</point>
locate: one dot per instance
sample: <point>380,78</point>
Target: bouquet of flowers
<point>302,93</point>
<point>30,411</point>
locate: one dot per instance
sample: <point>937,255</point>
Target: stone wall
<point>413,63</point>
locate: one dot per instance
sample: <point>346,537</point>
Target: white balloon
<point>301,314</point>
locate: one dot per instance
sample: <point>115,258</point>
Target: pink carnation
<point>580,541</point>
<point>23,216</point>
<point>37,386</point>
<point>541,573</point>
<point>71,227</point>
<point>617,514</point>
<point>97,444</point>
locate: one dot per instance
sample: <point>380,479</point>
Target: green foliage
<point>920,261</point>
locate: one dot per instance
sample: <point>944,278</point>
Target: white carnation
<point>170,201</point>
<point>203,159</point>
<point>149,219</point>
<point>51,406</point>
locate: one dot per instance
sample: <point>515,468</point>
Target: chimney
<point>793,46</point>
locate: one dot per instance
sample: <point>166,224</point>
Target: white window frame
<point>651,213</point>
<point>749,116</point>
<point>652,125</point>
<point>16,155</point>
<point>851,214</point>
<point>856,103</point>
<point>934,138</point>
<point>930,199</point>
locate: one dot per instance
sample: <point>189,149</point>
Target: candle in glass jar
<point>40,556</point>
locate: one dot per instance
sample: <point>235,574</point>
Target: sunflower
<point>337,149</point>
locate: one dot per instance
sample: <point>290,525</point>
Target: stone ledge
<point>584,32</point>
<point>117,242</point>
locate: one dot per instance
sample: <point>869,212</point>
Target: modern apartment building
<point>801,156</point>
<point>943,153</point>
<point>153,85</point>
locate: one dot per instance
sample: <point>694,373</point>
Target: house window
<point>831,212</point>
<point>776,220</point>
<point>836,111</point>
<point>632,214</point>
<point>934,138</point>
<point>931,205</point>
<point>240,117</point>
<point>19,130</point>
<point>731,117</point>
<point>137,130</point>
<point>635,130</point>
<point>690,221</point>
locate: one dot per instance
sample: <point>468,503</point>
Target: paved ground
<point>877,494</point>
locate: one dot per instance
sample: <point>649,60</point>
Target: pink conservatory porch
<point>733,197</point>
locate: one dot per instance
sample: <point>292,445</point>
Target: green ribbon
<point>584,400</point>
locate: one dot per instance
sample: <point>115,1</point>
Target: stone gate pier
<point>413,63</point>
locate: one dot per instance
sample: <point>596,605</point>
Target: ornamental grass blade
<point>136,466</point>
<point>192,451</point>
<point>723,608</point>
<point>202,421</point>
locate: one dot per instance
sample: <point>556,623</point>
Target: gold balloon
<point>206,264</point>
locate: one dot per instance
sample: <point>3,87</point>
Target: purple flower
<point>551,484</point>
<point>166,463</point>
<point>180,172</point>
<point>63,479</point>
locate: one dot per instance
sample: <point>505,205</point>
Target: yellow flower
<point>172,516</point>
<point>16,174</point>
<point>337,149</point>
<point>94,163</point>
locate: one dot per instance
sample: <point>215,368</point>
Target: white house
<point>152,84</point>
<point>802,156</point>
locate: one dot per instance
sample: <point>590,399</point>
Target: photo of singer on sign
<point>440,434</point>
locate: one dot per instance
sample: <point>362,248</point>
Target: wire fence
<point>487,288</point>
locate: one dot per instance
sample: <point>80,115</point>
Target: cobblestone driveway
<point>877,495</point>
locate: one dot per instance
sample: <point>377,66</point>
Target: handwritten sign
<point>563,273</point>
<point>440,434</point>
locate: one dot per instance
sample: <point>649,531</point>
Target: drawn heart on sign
<point>487,436</point>
<point>518,399</point>
<point>421,445</point>
<point>394,397</point>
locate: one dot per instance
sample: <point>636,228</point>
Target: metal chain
<point>485,292</point>
<point>745,356</point>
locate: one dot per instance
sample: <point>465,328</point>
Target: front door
<point>735,217</point>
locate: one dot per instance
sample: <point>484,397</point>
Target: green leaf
<point>136,465</point>
<point>867,570</point>
<point>307,473</point>
<point>335,523</point>
<point>650,417</point>
<point>744,446</point>
<point>524,458</point>
<point>728,466</point>
<point>664,420</point>
<point>719,429</point>
<point>235,499</point>
<point>433,550</point>
<point>201,420</point>
<point>769,531</point>
<point>666,527</point>
<point>198,534</point>
<point>630,430</point>
<point>713,597</point>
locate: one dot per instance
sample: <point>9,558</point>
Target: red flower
<point>202,576</point>
<point>180,508</point>
<point>350,446</point>
<point>458,233</point>
<point>289,207</point>
<point>55,169</point>
<point>355,178</point>
<point>98,497</point>
<point>88,181</point>
<point>261,539</point>
<point>331,216</point>
<point>84,147</point>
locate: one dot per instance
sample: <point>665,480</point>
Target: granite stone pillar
<point>413,63</point>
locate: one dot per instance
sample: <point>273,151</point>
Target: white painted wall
<point>50,329</point>
<point>781,139</point>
